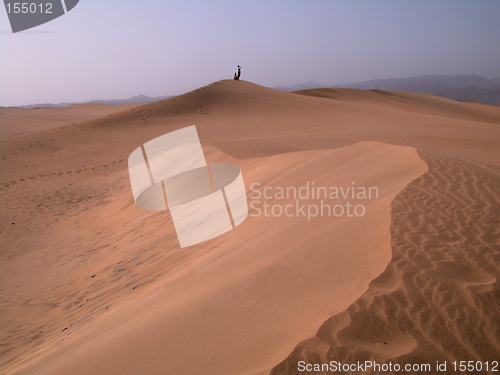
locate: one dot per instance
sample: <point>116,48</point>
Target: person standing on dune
<point>237,75</point>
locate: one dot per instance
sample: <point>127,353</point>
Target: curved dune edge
<point>440,286</point>
<point>257,290</point>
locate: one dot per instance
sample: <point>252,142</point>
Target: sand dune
<point>92,284</point>
<point>410,102</point>
<point>16,121</point>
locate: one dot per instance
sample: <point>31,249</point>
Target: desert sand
<point>16,121</point>
<point>91,284</point>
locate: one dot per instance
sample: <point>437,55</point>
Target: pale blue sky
<point>121,48</point>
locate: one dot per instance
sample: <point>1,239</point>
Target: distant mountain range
<point>468,87</point>
<point>459,87</point>
<point>140,99</point>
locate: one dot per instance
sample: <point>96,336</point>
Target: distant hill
<point>135,99</point>
<point>459,87</point>
<point>300,86</point>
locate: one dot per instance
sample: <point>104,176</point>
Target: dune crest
<point>440,285</point>
<point>251,286</point>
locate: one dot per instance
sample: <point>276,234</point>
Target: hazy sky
<point>106,49</point>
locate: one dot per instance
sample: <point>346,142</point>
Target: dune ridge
<point>439,293</point>
<point>229,292</point>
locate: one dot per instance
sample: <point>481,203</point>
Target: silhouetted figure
<point>237,75</point>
